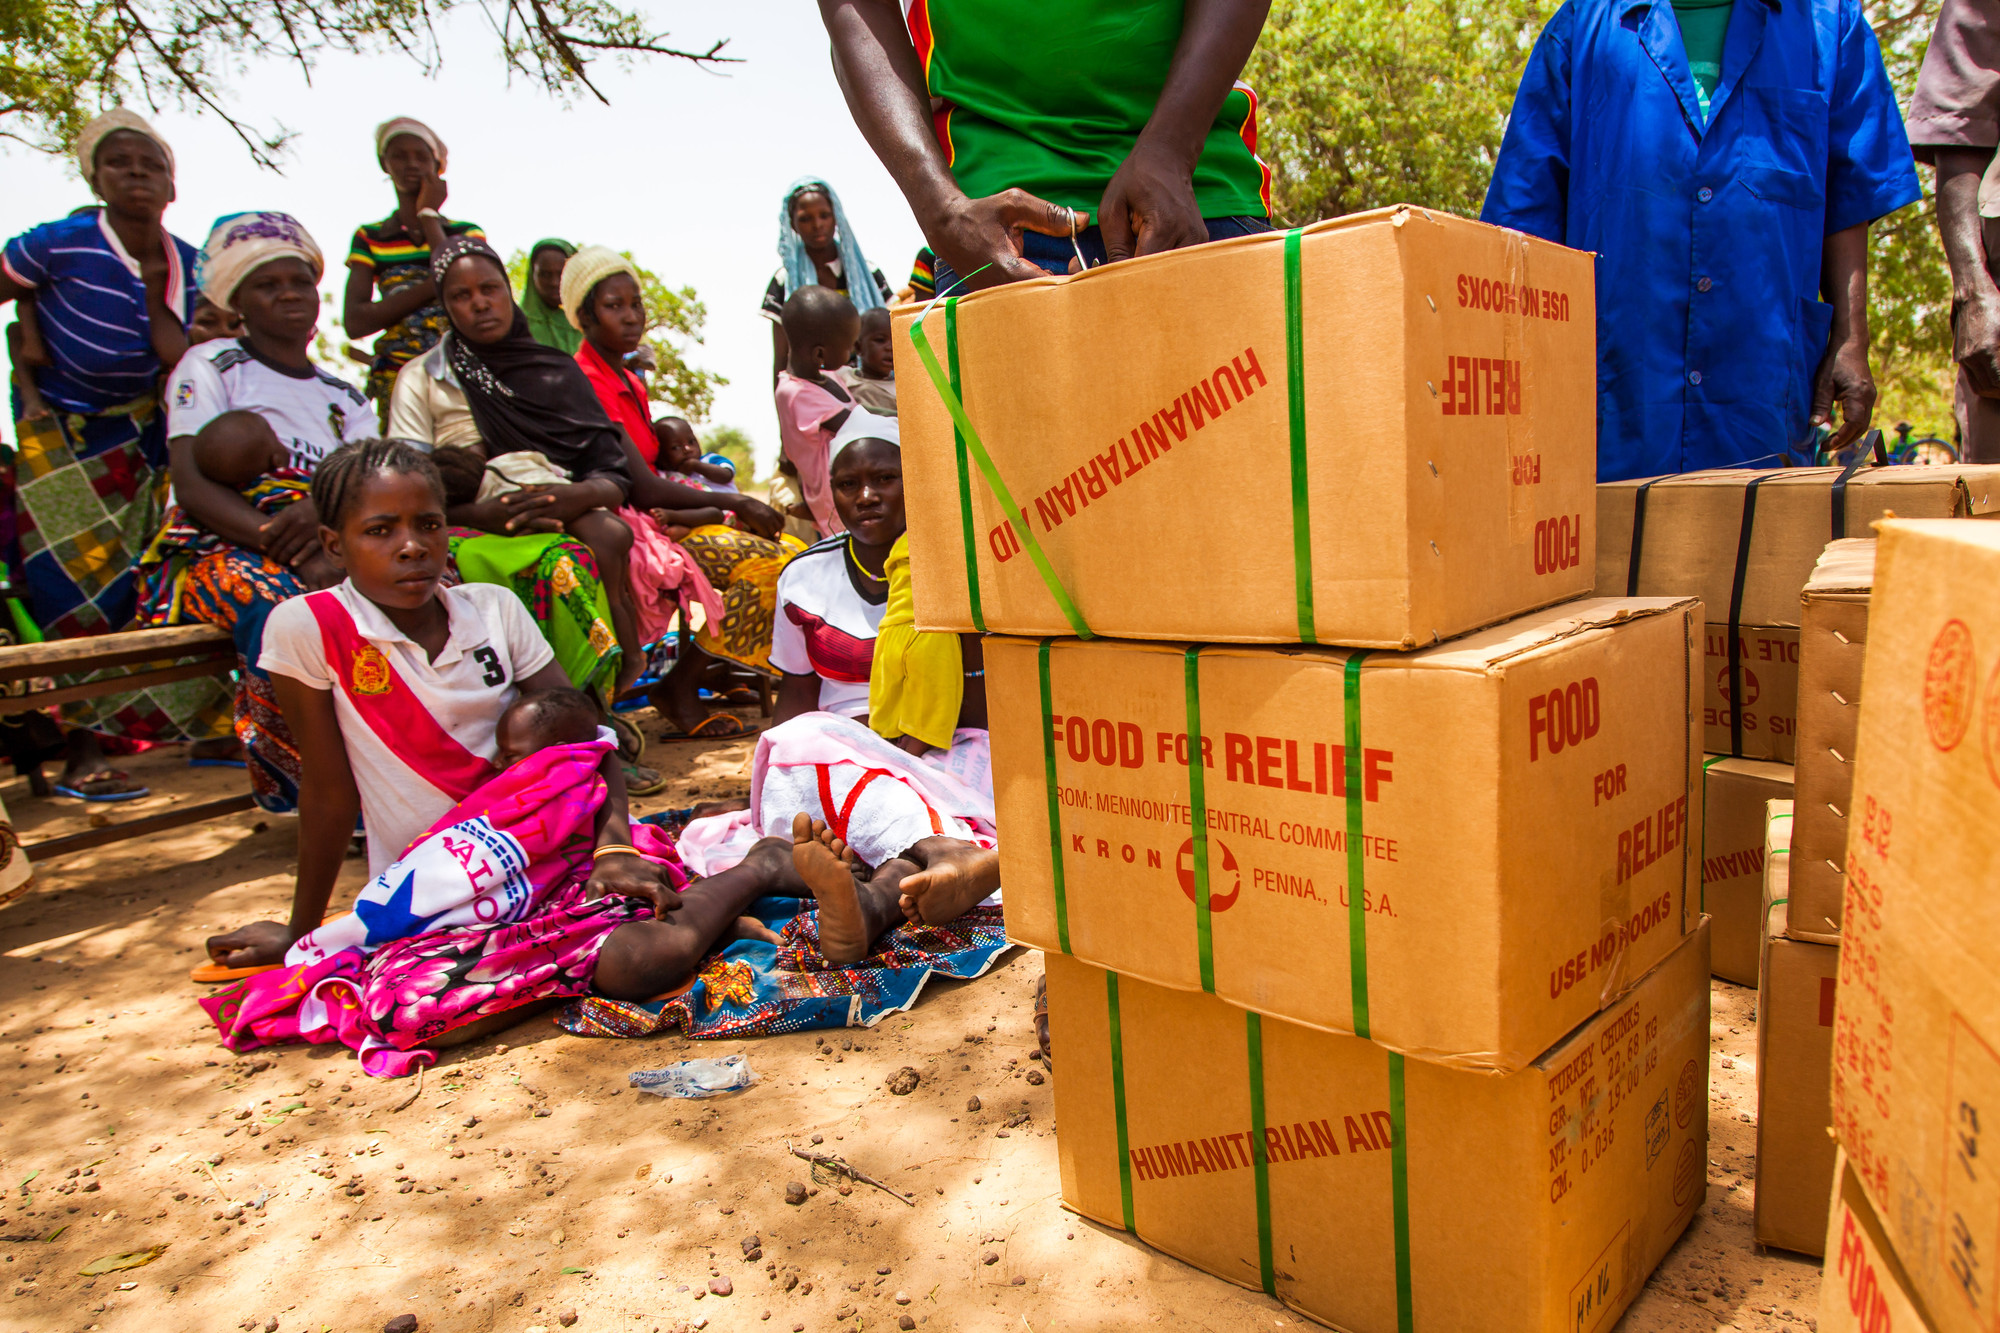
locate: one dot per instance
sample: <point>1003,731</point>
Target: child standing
<point>874,384</point>
<point>820,329</point>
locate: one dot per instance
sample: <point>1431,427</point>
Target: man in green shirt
<point>1105,128</point>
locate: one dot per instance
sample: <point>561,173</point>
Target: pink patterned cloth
<point>663,577</point>
<point>436,944</point>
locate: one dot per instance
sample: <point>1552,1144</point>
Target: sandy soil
<point>525,1187</point>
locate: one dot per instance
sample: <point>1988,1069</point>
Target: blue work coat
<point>1709,322</point>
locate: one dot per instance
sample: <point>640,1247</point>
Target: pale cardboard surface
<point>1794,1065</point>
<point>1509,888</point>
<point>1916,1086</point>
<point>1865,1289</point>
<point>1833,636</point>
<point>1451,446</point>
<point>1536,1202</point>
<point>1694,522</point>
<point>1734,795</point>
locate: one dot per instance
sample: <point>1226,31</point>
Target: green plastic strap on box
<point>1399,1188</point>
<point>921,341</point>
<point>1055,799</point>
<point>964,473</point>
<point>1295,387</point>
<point>1204,939</point>
<point>1259,1159</point>
<point>1357,911</point>
<point>1118,1098</point>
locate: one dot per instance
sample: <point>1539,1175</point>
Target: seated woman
<point>917,846</point>
<point>739,569</point>
<point>397,688</point>
<point>266,268</point>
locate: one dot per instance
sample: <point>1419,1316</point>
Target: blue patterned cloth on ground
<point>754,989</point>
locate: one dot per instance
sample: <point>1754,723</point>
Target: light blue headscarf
<point>799,268</point>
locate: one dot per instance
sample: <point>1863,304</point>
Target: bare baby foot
<point>828,867</point>
<point>956,877</point>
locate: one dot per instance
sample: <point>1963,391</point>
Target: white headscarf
<point>409,125</point>
<point>242,243</point>
<point>861,424</point>
<point>117,118</point>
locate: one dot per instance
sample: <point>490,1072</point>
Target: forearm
<point>883,82</point>
<point>1217,37</point>
<point>217,508</point>
<point>327,812</point>
<point>168,335</point>
<point>1844,283</point>
<point>796,694</point>
<point>363,318</point>
<point>650,490</point>
<point>1958,175</point>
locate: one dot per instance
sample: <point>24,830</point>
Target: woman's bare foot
<point>955,877</point>
<point>828,867</point>
<point>750,928</point>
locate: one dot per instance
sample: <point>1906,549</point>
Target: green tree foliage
<point>674,320</point>
<point>733,443</point>
<point>62,59</point>
<point>1367,103</point>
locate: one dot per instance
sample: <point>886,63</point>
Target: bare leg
<point>677,696</point>
<point>610,541</point>
<point>956,877</point>
<point>644,958</point>
<point>855,905</point>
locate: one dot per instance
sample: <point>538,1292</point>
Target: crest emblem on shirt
<point>371,672</point>
<point>183,394</point>
<point>336,421</point>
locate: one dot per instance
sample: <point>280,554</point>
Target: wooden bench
<point>153,657</point>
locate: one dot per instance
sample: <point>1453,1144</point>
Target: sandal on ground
<point>214,974</point>
<point>1042,1019</point>
<point>631,740</point>
<point>643,781</point>
<point>714,727</point>
<point>111,784</point>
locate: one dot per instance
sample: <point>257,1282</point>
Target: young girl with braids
<point>395,687</point>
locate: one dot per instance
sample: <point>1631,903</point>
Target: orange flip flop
<point>212,974</point>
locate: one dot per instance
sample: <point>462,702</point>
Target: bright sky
<point>684,168</point>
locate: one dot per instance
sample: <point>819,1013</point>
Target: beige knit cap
<point>117,118</point>
<point>585,269</point>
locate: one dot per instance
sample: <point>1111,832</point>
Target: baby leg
<point>610,542</point>
<point>644,958</point>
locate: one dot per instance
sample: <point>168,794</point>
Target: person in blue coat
<point>1724,159</point>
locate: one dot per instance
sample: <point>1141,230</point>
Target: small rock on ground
<point>402,1323</point>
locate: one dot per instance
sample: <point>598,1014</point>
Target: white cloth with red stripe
<point>878,798</point>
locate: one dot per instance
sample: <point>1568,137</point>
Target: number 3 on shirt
<point>495,673</point>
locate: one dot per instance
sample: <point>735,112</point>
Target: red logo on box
<point>1948,685</point>
<point>1221,870</point>
<point>1687,1094</point>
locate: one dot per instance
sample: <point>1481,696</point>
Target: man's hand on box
<point>971,234</point>
<point>1150,206</point>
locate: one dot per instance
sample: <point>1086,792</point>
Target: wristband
<point>430,213</point>
<point>614,849</point>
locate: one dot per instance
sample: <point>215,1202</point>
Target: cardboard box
<point>1865,1288</point>
<point>1794,1065</point>
<point>1748,554</point>
<point>1734,794</point>
<point>1916,1074</point>
<point>1390,1193</point>
<point>1427,458</point>
<point>1833,634</point>
<point>1461,852</point>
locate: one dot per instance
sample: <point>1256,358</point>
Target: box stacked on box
<point>1916,1066</point>
<point>1336,782</point>
<point>1745,542</point>
<point>1794,1063</point>
<point>1864,1288</point>
<point>1734,796</point>
<point>1833,636</point>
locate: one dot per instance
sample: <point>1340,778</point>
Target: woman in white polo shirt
<point>394,687</point>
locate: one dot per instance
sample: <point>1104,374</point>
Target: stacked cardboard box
<point>1745,542</point>
<point>1833,636</point>
<point>1794,1063</point>
<point>1916,1070</point>
<point>1360,882</point>
<point>1734,797</point>
<point>1864,1289</point>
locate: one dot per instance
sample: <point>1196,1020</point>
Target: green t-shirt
<point>1051,99</point>
<point>1704,27</point>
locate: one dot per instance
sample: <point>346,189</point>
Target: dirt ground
<point>525,1187</point>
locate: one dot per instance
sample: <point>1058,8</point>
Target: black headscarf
<point>527,397</point>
